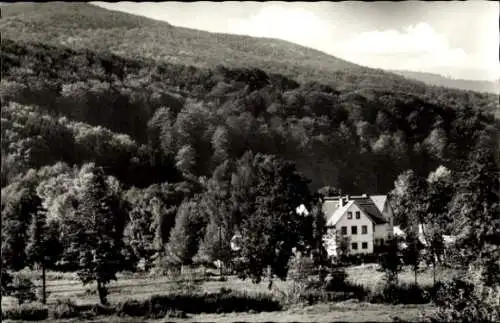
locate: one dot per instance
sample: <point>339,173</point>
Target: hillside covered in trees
<point>85,26</point>
<point>138,117</point>
<point>169,133</point>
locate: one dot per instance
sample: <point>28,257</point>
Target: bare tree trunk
<point>44,292</point>
<point>270,276</point>
<point>434,271</point>
<point>220,250</point>
<point>101,290</point>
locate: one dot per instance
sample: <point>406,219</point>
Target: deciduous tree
<point>95,230</point>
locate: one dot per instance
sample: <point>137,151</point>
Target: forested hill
<point>85,26</point>
<point>148,122</point>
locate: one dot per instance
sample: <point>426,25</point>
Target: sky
<point>459,39</point>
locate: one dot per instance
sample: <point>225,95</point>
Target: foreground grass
<point>348,311</point>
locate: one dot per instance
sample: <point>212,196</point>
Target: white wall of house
<point>360,239</point>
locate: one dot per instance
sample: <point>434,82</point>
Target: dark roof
<point>370,209</point>
<point>371,205</point>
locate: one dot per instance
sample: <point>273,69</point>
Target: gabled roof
<point>373,207</point>
<point>379,201</point>
<point>333,213</point>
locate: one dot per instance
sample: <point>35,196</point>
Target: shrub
<point>6,282</point>
<point>300,268</point>
<point>26,312</point>
<point>23,289</point>
<point>467,299</point>
<point>292,293</point>
<point>226,302</point>
<point>65,308</point>
<point>400,294</point>
<point>132,308</point>
<point>336,280</point>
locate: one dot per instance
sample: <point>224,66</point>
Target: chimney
<point>365,195</point>
<point>347,198</point>
<point>341,201</point>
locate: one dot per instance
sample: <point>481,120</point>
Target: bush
<point>23,289</point>
<point>222,302</point>
<point>65,308</point>
<point>300,268</point>
<point>6,282</point>
<point>336,280</point>
<point>292,294</point>
<point>401,294</point>
<point>467,299</point>
<point>26,312</point>
<point>132,308</point>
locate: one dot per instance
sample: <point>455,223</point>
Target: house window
<point>364,229</point>
<point>354,246</point>
<point>344,230</point>
<point>358,215</point>
<point>349,215</point>
<point>381,241</point>
<point>364,245</point>
<point>354,229</point>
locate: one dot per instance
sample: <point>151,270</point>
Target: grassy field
<point>348,311</point>
<point>67,285</point>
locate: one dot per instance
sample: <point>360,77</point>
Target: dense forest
<point>169,144</point>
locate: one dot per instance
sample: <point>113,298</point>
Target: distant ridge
<point>86,26</point>
<point>439,80</point>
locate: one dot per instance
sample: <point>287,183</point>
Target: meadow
<point>140,287</point>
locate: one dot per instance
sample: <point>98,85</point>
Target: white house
<point>366,220</point>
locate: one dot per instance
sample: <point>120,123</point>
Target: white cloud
<point>415,47</point>
<point>296,25</point>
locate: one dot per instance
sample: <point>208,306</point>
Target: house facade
<point>366,221</point>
